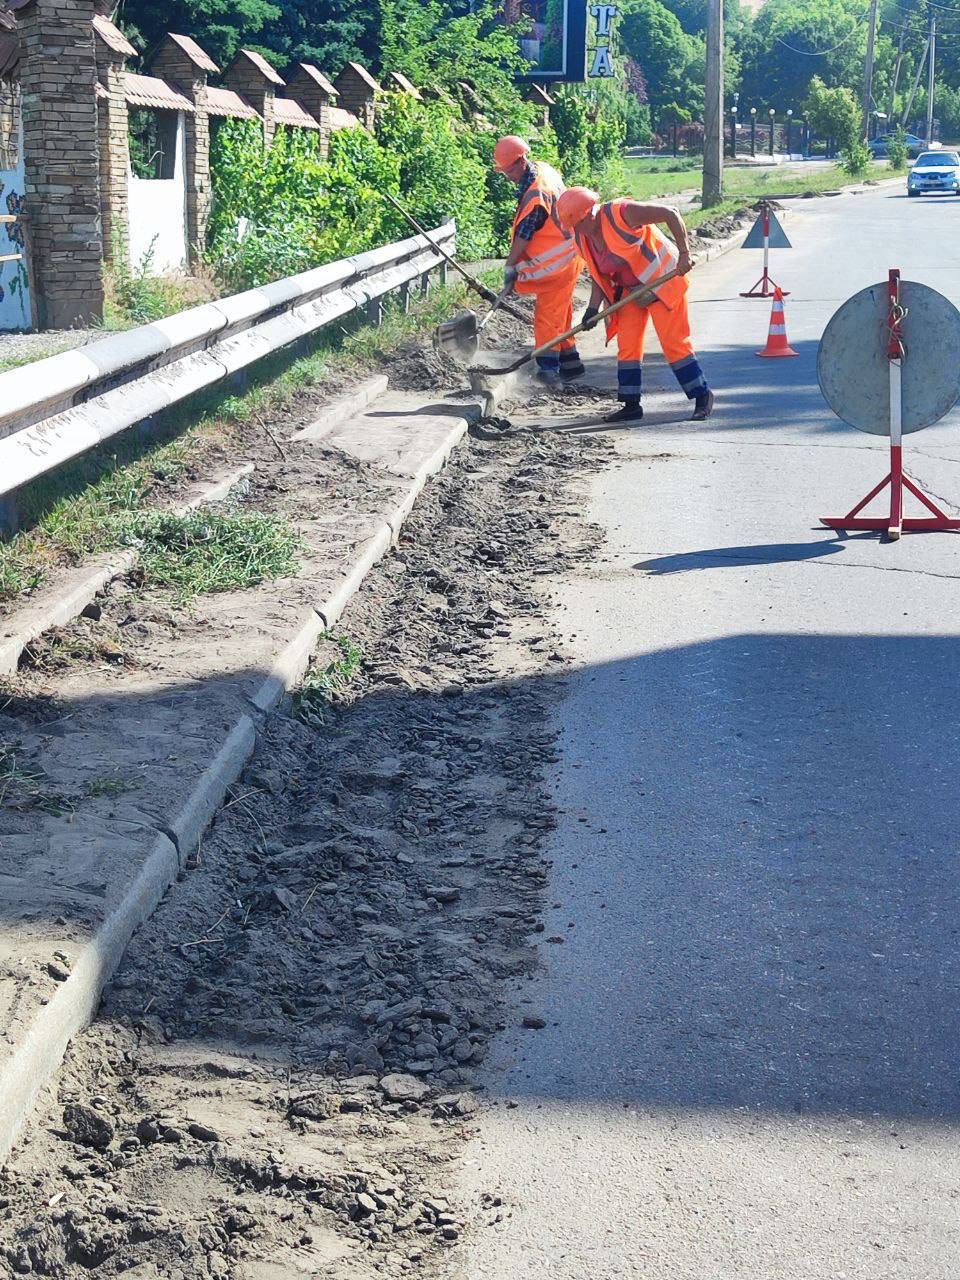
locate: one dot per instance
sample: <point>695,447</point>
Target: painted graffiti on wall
<point>14,283</point>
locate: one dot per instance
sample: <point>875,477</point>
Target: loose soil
<point>281,1074</point>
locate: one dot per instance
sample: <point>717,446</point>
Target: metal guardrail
<point>56,409</point>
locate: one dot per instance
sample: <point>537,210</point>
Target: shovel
<point>644,294</point>
<point>477,285</point>
<point>460,337</point>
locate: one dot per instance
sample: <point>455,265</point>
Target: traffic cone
<point>777,344</point>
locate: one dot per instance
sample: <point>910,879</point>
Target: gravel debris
<point>281,1076</point>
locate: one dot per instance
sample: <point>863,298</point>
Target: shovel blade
<point>459,337</point>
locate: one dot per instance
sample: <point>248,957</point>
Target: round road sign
<point>853,368</point>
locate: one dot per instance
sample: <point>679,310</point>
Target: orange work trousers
<point>672,325</point>
<point>553,314</point>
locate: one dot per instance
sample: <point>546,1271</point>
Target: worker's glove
<point>509,277</point>
<point>590,317</point>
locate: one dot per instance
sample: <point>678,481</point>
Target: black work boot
<point>703,406</point>
<point>630,411</point>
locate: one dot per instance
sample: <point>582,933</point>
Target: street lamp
<point>772,114</point>
<point>753,131</point>
<point>733,132</point>
<point>789,123</point>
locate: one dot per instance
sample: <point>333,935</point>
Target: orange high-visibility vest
<point>643,255</point>
<point>552,249</point>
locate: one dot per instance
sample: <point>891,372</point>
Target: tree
<point>671,59</point>
<point>833,113</point>
<point>790,41</point>
<point>222,26</point>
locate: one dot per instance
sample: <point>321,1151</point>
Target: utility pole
<point>713,109</point>
<point>896,72</point>
<point>916,84</point>
<point>868,72</point>
<point>931,72</point>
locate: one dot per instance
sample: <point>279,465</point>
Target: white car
<point>937,171</point>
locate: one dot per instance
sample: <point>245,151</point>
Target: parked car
<point>878,146</point>
<point>936,171</point>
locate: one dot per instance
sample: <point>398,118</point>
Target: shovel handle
<point>645,294</point>
<point>487,294</point>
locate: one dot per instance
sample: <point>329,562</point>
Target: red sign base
<point>764,288</point>
<point>896,522</point>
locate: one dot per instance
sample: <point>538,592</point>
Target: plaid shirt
<point>534,220</point>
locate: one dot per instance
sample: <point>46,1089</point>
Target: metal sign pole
<point>895,354</point>
<point>766,250</point>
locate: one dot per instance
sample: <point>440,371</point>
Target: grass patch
<point>744,185</point>
<point>76,511</point>
<point>211,550</point>
<point>326,681</point>
<point>134,295</point>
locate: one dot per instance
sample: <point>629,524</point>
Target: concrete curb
<point>358,399</point>
<point>44,1042</point>
<point>42,1048</point>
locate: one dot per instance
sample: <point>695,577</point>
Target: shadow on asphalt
<point>779,873</point>
<point>760,553</point>
<point>761,880</point>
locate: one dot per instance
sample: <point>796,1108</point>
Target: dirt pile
<point>281,1071</point>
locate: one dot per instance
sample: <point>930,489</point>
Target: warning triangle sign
<point>778,237</point>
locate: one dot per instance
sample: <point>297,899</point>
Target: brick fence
<point>77,92</point>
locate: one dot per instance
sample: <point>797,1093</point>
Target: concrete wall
<point>158,216</point>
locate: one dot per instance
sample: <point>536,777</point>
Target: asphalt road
<point>750,1063</point>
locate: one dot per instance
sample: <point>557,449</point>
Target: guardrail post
<point>444,272</point>
<point>375,311</point>
<point>405,297</point>
<point>9,516</point>
<point>425,284</point>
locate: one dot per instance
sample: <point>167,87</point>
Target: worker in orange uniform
<point>543,259</point>
<point>623,248</point>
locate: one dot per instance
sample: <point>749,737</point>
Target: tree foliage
<point>832,113</point>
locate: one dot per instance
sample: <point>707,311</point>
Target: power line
<point>823,53</point>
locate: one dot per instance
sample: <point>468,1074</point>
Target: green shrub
<point>897,152</point>
<point>855,158</point>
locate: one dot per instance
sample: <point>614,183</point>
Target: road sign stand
<point>765,227</point>
<point>896,523</point>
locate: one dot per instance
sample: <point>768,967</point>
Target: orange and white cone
<point>777,344</point>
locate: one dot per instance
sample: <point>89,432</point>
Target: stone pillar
<point>253,78</point>
<point>58,71</point>
<point>358,93</point>
<point>112,50</point>
<point>397,82</point>
<point>182,61</point>
<point>313,91</point>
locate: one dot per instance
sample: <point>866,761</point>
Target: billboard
<point>553,39</point>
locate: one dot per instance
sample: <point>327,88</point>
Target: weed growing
<point>25,786</point>
<point>211,550</point>
<point>109,785</point>
<point>327,681</point>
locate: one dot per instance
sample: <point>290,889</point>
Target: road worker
<point>543,259</point>
<point>623,247</point>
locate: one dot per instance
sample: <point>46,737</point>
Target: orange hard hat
<point>574,205</point>
<point>509,150</point>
